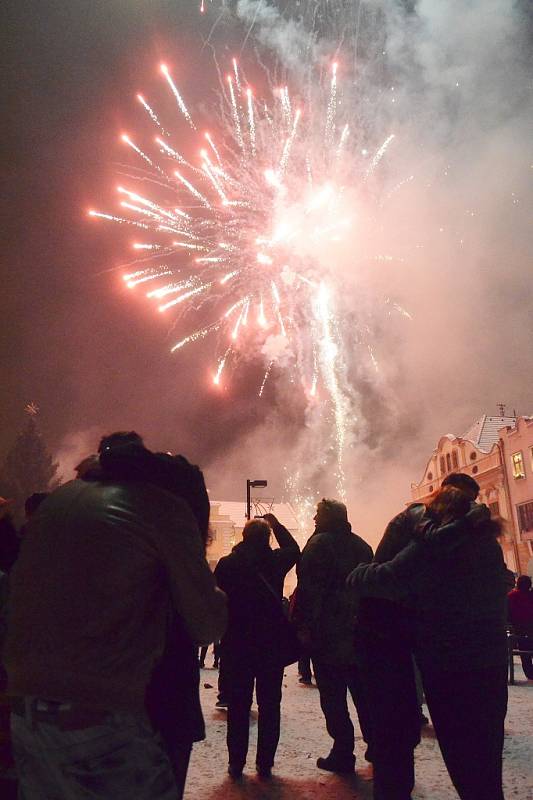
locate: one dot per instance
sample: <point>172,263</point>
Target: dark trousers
<point>334,681</point>
<point>388,676</point>
<point>468,712</point>
<point>304,667</point>
<point>240,686</point>
<point>223,688</point>
<point>525,643</point>
<point>179,754</point>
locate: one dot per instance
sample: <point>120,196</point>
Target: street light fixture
<point>252,485</point>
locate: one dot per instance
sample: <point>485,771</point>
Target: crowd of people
<point>107,596</point>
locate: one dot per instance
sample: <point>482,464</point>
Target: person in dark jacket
<point>520,614</point>
<point>105,559</point>
<point>385,652</point>
<point>252,576</point>
<point>173,693</point>
<point>454,576</point>
<point>325,617</point>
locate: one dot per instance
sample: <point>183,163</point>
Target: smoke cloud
<point>448,299</point>
<point>451,82</point>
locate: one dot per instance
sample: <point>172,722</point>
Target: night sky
<point>95,358</point>
<point>77,343</point>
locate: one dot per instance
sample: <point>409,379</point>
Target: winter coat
<point>173,694</point>
<point>455,577</point>
<point>324,609</point>
<point>383,619</point>
<point>254,612</point>
<point>100,567</point>
<point>520,611</point>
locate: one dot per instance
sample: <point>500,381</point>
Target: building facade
<point>485,451</point>
<point>516,443</point>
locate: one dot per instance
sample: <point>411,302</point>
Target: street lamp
<point>252,485</point>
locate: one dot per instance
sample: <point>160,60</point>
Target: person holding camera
<point>252,577</point>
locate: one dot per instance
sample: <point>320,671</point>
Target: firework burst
<point>245,233</point>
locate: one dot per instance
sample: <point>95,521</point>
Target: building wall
<point>518,441</point>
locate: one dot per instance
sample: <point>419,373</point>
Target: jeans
<point>240,684</point>
<point>120,758</point>
<point>334,681</point>
<point>468,711</point>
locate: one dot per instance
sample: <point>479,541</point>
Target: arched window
<point>430,476</point>
<point>448,462</point>
<point>455,460</point>
<point>442,465</point>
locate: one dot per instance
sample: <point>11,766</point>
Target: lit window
<point>525,517</point>
<point>518,465</point>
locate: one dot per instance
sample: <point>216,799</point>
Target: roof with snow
<point>484,432</point>
<point>236,511</point>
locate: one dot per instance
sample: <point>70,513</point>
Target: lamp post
<point>252,485</point>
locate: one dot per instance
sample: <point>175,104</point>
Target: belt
<point>65,716</point>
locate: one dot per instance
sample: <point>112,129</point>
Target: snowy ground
<point>303,739</point>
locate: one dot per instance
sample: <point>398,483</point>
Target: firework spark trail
<point>221,365</point>
<point>151,113</point>
<point>247,224</point>
<point>251,120</point>
<point>332,106</point>
<point>265,378</point>
<point>234,108</point>
<point>329,356</point>
<point>181,105</point>
<point>379,155</point>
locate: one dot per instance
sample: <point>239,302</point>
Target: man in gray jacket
<point>325,617</point>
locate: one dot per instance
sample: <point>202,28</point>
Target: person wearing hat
<point>326,618</point>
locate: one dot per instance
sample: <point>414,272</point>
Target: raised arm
<point>196,598</point>
<point>289,551</point>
